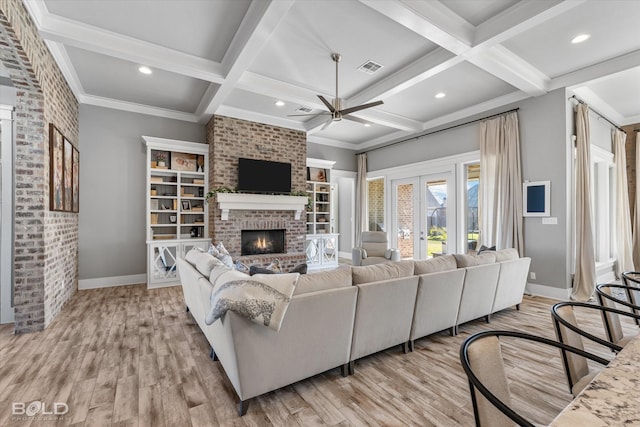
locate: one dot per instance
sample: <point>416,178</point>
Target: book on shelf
<point>198,181</point>
<point>197,209</point>
<point>156,179</point>
<point>154,218</point>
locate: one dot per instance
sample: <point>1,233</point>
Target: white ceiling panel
<point>254,102</point>
<point>237,57</point>
<point>202,28</point>
<point>464,85</point>
<point>353,132</point>
<point>109,77</point>
<point>612,24</point>
<point>476,12</point>
<point>299,51</point>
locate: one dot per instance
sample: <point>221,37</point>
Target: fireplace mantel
<point>260,202</point>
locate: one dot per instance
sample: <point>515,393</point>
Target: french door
<point>423,215</point>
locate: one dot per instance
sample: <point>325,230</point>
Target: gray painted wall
<point>112,187</point>
<point>345,159</point>
<point>545,150</point>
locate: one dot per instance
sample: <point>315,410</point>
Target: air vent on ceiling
<point>303,109</point>
<point>370,67</point>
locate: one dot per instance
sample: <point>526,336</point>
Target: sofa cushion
<point>462,261</point>
<point>221,273</point>
<point>323,280</point>
<point>205,263</point>
<point>192,255</point>
<point>383,271</point>
<point>507,254</point>
<point>433,265</point>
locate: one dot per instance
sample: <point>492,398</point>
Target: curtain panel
<point>636,210</point>
<point>584,280</point>
<point>623,234</point>
<point>361,198</point>
<point>500,191</point>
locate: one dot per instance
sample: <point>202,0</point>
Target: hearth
<point>257,242</point>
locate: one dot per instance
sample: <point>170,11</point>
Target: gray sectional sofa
<point>338,316</point>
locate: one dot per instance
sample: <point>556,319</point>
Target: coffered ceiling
<point>237,57</point>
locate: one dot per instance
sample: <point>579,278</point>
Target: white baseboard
<point>346,255</point>
<point>548,291</point>
<point>107,282</point>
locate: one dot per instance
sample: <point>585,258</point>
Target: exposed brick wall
<point>631,131</point>
<point>229,139</point>
<point>46,248</point>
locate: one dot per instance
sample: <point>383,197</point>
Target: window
<point>472,177</point>
<point>375,190</point>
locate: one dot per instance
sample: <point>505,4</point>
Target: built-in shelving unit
<point>322,242</point>
<point>177,218</point>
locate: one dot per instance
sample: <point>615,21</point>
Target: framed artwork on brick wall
<point>68,173</point>
<point>76,180</point>
<point>56,184</point>
<point>64,177</point>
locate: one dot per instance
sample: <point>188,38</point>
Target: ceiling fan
<point>336,111</point>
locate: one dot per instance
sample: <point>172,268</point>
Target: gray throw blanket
<point>263,300</point>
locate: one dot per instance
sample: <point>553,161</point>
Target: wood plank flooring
<point>129,356</point>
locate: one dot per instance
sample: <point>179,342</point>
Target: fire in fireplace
<point>256,242</point>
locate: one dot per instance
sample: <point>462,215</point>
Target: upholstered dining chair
<point>611,321</point>
<point>632,280</point>
<point>568,332</point>
<point>481,359</point>
<point>374,249</point>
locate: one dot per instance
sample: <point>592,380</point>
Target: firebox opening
<point>257,242</point>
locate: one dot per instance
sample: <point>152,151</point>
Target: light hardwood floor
<point>129,356</point>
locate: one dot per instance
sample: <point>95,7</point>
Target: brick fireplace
<point>230,139</point>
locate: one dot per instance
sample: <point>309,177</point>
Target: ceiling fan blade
<point>327,124</point>
<point>308,115</point>
<point>327,103</point>
<point>360,107</point>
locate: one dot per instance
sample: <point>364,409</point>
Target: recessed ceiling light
<point>440,95</point>
<point>279,103</point>
<point>580,38</point>
<point>367,125</point>
<point>145,70</point>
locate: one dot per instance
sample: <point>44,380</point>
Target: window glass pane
<point>436,201</point>
<point>473,181</point>
<point>375,189</point>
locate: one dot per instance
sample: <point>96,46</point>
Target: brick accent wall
<point>404,207</point>
<point>46,243</point>
<point>229,139</point>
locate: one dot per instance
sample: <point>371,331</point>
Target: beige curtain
<point>636,210</point>
<point>361,198</point>
<point>623,234</point>
<point>584,281</point>
<point>500,192</point>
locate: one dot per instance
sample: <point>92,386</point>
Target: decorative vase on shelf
<point>161,163</point>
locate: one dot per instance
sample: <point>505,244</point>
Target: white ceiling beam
<point>597,71</point>
<point>509,67</point>
<point>421,69</point>
<point>519,18</point>
<point>252,116</point>
<point>277,89</point>
<point>332,142</point>
<point>390,120</point>
<point>137,108</point>
<point>260,21</point>
<point>94,39</point>
<point>432,20</point>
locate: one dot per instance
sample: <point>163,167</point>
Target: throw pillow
<point>205,263</point>
<point>192,256</point>
<point>263,299</point>
<point>483,248</point>
<point>300,268</point>
<point>254,269</point>
<point>242,267</point>
<point>220,247</point>
<point>275,266</point>
<point>213,251</point>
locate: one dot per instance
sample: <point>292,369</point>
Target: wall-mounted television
<point>263,176</point>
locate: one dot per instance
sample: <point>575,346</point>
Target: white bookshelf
<point>176,211</point>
